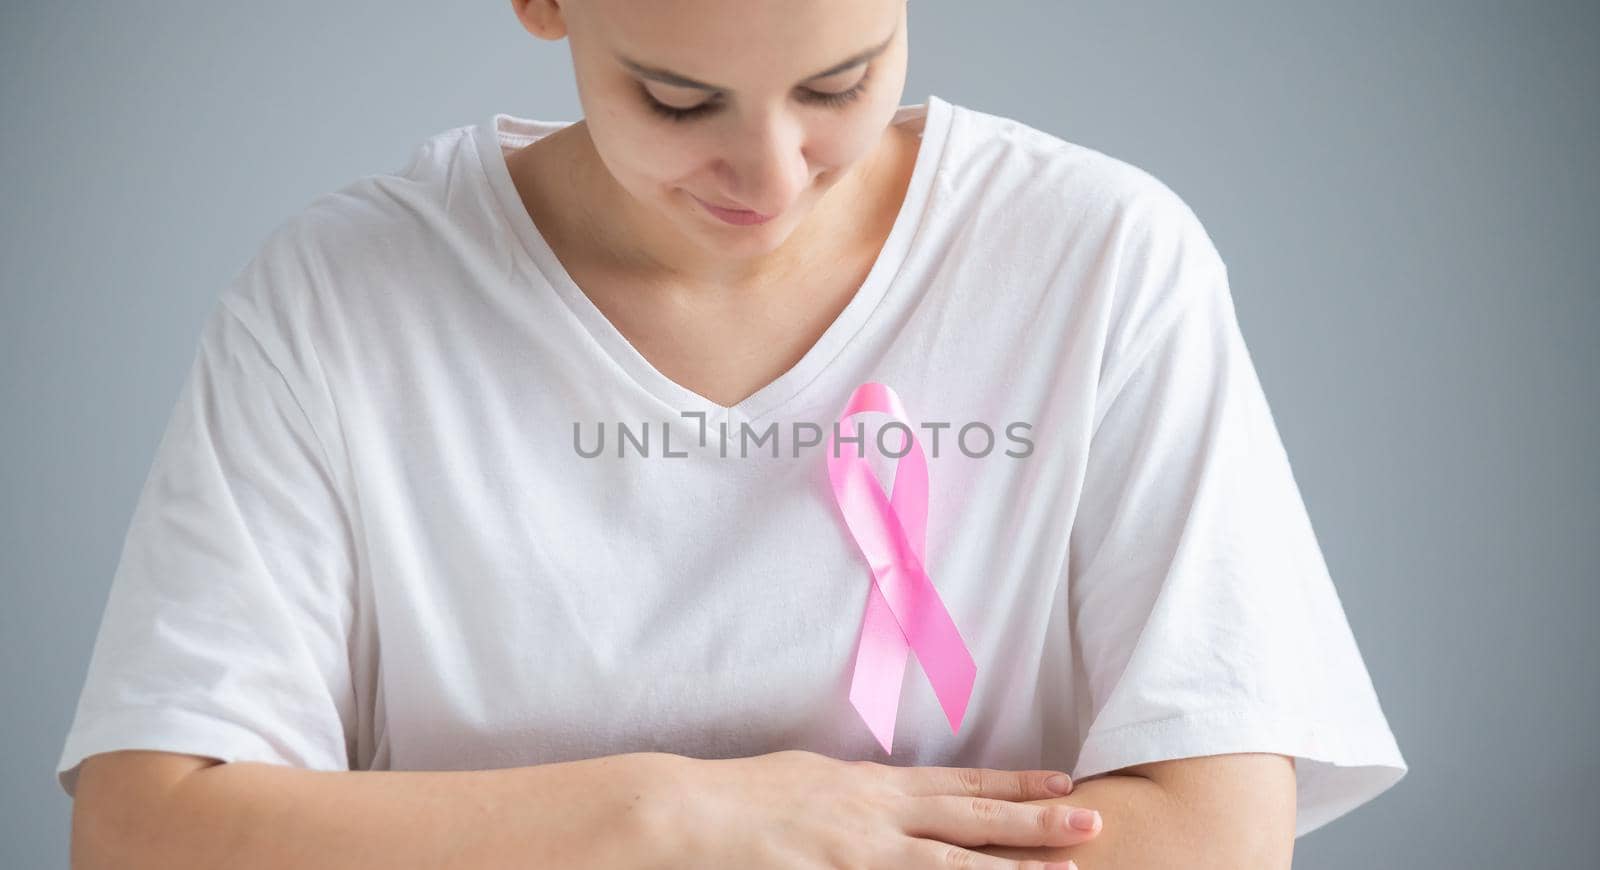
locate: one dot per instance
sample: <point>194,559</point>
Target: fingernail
<point>1084,820</point>
<point>1059,783</point>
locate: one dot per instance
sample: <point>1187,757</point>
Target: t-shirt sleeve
<point>1201,607</point>
<point>225,631</point>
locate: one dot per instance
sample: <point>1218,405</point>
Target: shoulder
<point>1044,184</point>
<point>379,215</point>
<point>364,260</point>
<point>371,238</point>
<point>1110,233</point>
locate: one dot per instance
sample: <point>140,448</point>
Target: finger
<point>923,854</point>
<point>967,821</point>
<point>1011,785</point>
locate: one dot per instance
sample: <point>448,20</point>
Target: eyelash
<point>814,97</point>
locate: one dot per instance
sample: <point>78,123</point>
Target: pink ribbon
<point>904,610</point>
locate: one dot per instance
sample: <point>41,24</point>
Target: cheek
<point>639,155</point>
<point>659,169</point>
<point>835,151</point>
<point>844,145</point>
<point>858,133</point>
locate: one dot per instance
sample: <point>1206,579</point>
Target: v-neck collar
<point>502,131</point>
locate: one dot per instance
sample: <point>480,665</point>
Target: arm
<point>1234,811</point>
<point>147,809</point>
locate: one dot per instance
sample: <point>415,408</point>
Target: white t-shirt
<point>371,537</point>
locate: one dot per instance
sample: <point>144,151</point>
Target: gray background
<point>1406,195</point>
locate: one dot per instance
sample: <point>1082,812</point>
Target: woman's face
<point>754,106</point>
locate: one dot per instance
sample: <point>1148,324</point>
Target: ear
<point>542,18</point>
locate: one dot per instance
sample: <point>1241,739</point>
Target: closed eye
<point>835,99</point>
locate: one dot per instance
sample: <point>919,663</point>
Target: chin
<point>750,241</point>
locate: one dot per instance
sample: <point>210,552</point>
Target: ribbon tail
<point>938,645</point>
<point>880,669</point>
<point>952,681</point>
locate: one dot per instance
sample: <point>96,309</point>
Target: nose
<point>765,164</point>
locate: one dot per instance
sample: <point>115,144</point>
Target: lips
<point>737,216</point>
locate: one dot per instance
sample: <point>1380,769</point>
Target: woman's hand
<point>801,810</point>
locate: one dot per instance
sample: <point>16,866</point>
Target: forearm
<point>580,814</point>
<point>1187,818</point>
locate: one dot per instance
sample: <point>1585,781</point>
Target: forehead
<point>736,42</point>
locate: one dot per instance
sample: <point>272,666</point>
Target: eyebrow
<point>672,78</point>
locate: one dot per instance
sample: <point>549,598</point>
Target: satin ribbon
<point>904,610</point>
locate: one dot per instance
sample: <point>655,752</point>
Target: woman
<point>493,525</point>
